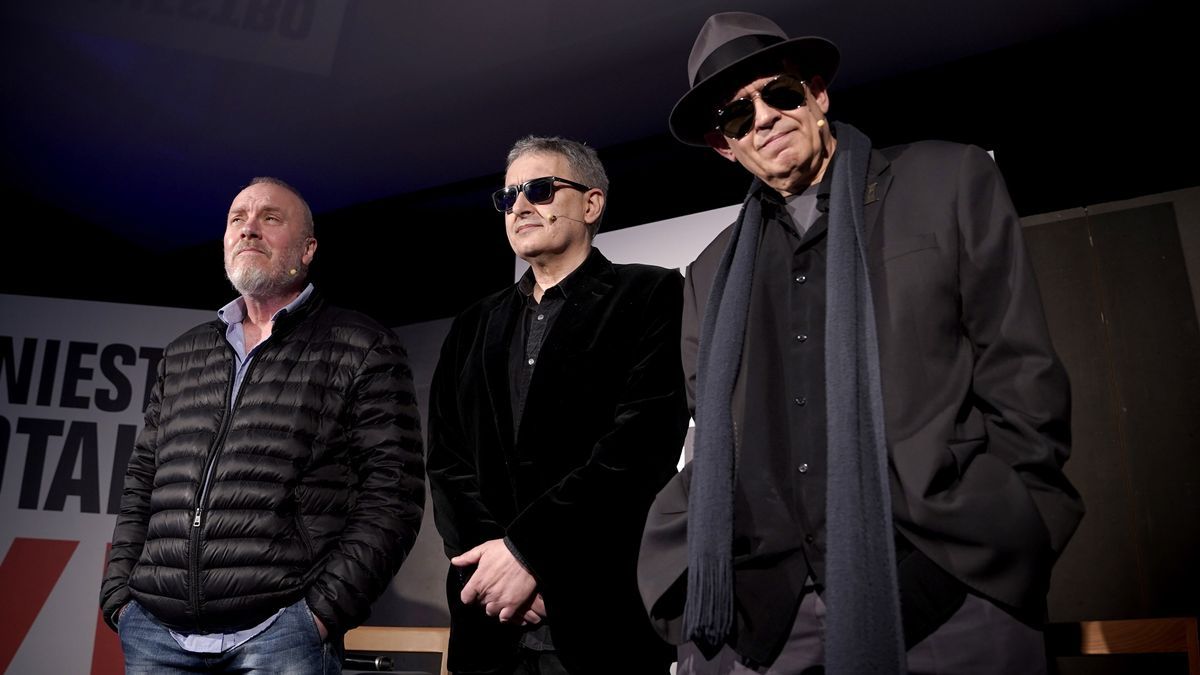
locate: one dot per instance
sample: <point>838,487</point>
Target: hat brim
<point>692,117</point>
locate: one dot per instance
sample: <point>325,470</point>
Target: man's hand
<point>501,584</point>
<point>321,629</point>
<point>120,613</point>
<point>536,611</point>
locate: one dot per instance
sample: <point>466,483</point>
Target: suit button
<point>808,539</point>
<point>803,468</point>
<point>800,278</point>
<point>802,338</point>
<point>800,401</point>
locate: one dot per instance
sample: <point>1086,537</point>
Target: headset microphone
<point>550,218</point>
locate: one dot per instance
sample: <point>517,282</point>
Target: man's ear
<point>310,250</point>
<point>820,95</point>
<point>717,141</point>
<point>593,205</point>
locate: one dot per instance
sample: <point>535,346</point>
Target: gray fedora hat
<point>733,44</point>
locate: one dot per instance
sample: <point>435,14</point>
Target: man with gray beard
<point>278,482</point>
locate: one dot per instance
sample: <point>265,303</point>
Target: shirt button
<point>799,400</point>
<point>541,316</point>
<point>801,338</point>
<point>800,278</point>
<point>530,362</point>
<point>803,468</point>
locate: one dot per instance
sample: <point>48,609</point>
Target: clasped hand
<point>500,584</point>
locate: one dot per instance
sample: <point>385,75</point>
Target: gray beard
<point>251,280</point>
<point>264,280</point>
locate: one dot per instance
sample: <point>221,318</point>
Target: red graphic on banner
<point>28,574</point>
<point>107,658</point>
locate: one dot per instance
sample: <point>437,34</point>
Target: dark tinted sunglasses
<point>537,191</point>
<point>736,118</point>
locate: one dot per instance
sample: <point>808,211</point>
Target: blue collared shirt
<point>232,316</point>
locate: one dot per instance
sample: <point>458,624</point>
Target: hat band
<point>733,51</point>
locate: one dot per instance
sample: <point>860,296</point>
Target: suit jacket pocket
<point>964,451</point>
<point>906,245</point>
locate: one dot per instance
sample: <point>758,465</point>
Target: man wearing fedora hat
<point>881,420</point>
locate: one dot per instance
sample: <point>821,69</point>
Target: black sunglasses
<point>537,191</point>
<point>736,118</point>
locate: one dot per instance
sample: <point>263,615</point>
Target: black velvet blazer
<point>602,430</point>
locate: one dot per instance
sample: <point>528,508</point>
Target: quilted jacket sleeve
<point>385,454</point>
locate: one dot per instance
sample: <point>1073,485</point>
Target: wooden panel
<point>1102,554</point>
<point>400,639</point>
<point>1155,342</point>
<point>1135,636</point>
<point>1138,636</point>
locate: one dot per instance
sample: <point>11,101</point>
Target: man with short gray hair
<point>557,411</point>
<point>277,484</point>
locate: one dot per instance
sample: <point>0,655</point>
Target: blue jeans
<point>289,646</point>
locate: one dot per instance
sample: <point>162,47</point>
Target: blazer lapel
<point>879,179</point>
<point>574,329</point>
<point>497,339</point>
<point>576,325</point>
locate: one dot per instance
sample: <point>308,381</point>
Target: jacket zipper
<point>214,453</point>
<point>305,537</point>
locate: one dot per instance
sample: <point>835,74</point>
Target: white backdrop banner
<point>74,377</point>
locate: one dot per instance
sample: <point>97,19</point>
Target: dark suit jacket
<point>976,402</point>
<point>603,426</point>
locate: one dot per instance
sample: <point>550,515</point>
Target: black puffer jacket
<point>311,487</point>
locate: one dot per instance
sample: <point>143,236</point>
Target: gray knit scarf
<point>863,628</point>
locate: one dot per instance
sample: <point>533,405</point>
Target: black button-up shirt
<point>785,424</point>
<point>529,335</point>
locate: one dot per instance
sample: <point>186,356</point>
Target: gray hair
<point>271,180</point>
<point>581,158</point>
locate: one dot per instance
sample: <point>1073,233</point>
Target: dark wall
<point>1122,314</point>
<point>1085,117</point>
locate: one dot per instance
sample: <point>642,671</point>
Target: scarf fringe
<point>708,622</point>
